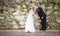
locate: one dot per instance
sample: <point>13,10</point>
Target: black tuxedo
<point>43,20</point>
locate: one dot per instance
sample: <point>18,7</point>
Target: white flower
<point>1,17</point>
<point>24,6</point>
<point>17,12</point>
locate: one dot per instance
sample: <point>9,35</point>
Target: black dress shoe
<point>40,29</point>
<point>44,30</point>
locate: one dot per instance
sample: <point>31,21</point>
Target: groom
<point>42,16</point>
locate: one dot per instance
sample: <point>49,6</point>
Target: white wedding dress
<point>29,26</point>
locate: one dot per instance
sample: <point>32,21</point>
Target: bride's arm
<point>36,16</point>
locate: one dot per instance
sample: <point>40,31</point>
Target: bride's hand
<point>38,17</point>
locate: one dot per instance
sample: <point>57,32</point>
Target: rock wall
<point>13,13</point>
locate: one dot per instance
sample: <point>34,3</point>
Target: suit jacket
<point>41,12</point>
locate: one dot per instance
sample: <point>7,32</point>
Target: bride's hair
<point>33,6</point>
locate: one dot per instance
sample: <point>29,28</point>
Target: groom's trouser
<point>43,23</point>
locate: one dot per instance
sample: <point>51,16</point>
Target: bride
<point>29,25</point>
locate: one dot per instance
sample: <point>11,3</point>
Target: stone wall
<point>13,13</point>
